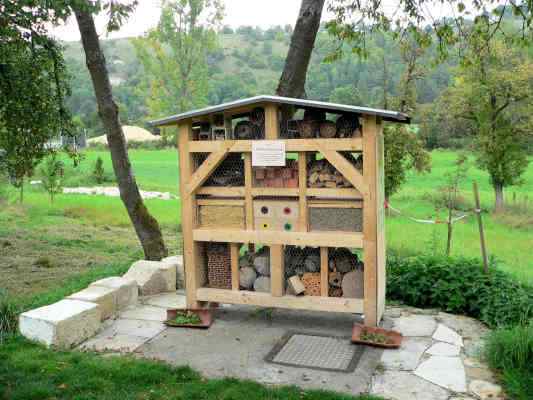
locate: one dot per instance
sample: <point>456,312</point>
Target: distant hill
<point>248,62</point>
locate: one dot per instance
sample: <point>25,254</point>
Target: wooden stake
<point>481,232</point>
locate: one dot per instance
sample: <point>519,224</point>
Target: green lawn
<point>31,372</point>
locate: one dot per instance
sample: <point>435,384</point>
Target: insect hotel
<point>283,204</point>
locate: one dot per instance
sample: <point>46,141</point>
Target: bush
<point>459,286</point>
<point>98,171</point>
<point>510,350</point>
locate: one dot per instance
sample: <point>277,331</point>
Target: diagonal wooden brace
<point>208,166</point>
<point>348,170</point>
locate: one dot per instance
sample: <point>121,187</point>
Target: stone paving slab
<point>147,329</point>
<point>145,313</point>
<point>408,356</point>
<point>444,349</point>
<point>447,372</point>
<point>448,335</point>
<point>240,339</point>
<point>114,343</point>
<point>415,325</point>
<point>165,300</point>
<point>401,385</point>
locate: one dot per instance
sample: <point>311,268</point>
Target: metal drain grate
<point>316,352</point>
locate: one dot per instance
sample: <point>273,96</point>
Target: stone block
<point>177,261</point>
<point>62,324</point>
<point>486,390</point>
<point>247,277</point>
<point>104,297</point>
<point>127,290</point>
<point>153,277</point>
<point>262,284</point>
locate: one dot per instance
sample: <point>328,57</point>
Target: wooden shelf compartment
<point>243,146</point>
<point>316,303</point>
<point>316,239</point>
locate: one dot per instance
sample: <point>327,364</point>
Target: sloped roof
<point>387,115</point>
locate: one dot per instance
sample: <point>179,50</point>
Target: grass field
<point>78,232</point>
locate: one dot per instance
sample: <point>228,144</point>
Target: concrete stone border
<point>77,318</point>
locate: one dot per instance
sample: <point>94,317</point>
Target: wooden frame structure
<point>367,193</point>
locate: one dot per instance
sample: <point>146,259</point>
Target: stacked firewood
<point>321,174</point>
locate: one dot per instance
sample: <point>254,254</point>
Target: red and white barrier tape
<point>426,221</point>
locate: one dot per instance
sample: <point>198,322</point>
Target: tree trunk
<point>145,225</point>
<point>292,81</point>
<point>450,231</point>
<point>499,203</point>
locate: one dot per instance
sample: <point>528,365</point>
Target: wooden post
<point>324,272</point>
<point>271,122</point>
<point>248,200</point>
<point>277,270</point>
<point>302,185</point>
<point>373,221</point>
<point>194,276</point>
<point>481,231</point>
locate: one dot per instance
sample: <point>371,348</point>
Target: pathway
<point>438,359</point>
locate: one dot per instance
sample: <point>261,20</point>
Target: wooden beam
<point>329,239</point>
<point>234,256</point>
<point>334,204</point>
<point>271,122</point>
<point>291,145</point>
<point>277,270</point>
<point>220,202</point>
<point>374,220</point>
<point>248,197</point>
<point>315,303</point>
<point>335,193</point>
<point>221,191</point>
<point>191,250</point>
<point>272,191</point>
<point>206,169</point>
<point>349,171</point>
<point>324,272</point>
<point>302,185</point>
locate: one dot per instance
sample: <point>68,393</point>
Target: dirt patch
<point>35,259</point>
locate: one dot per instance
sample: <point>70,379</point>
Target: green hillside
<point>248,62</point>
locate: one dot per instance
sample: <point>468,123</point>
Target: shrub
<point>43,262</point>
<point>52,172</point>
<point>510,350</point>
<point>459,286</point>
<point>98,171</point>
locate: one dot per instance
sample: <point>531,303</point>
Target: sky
<point>263,13</point>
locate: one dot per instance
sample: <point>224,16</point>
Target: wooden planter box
<point>395,338</point>
<point>205,316</point>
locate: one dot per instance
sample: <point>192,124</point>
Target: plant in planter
<point>187,318</point>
